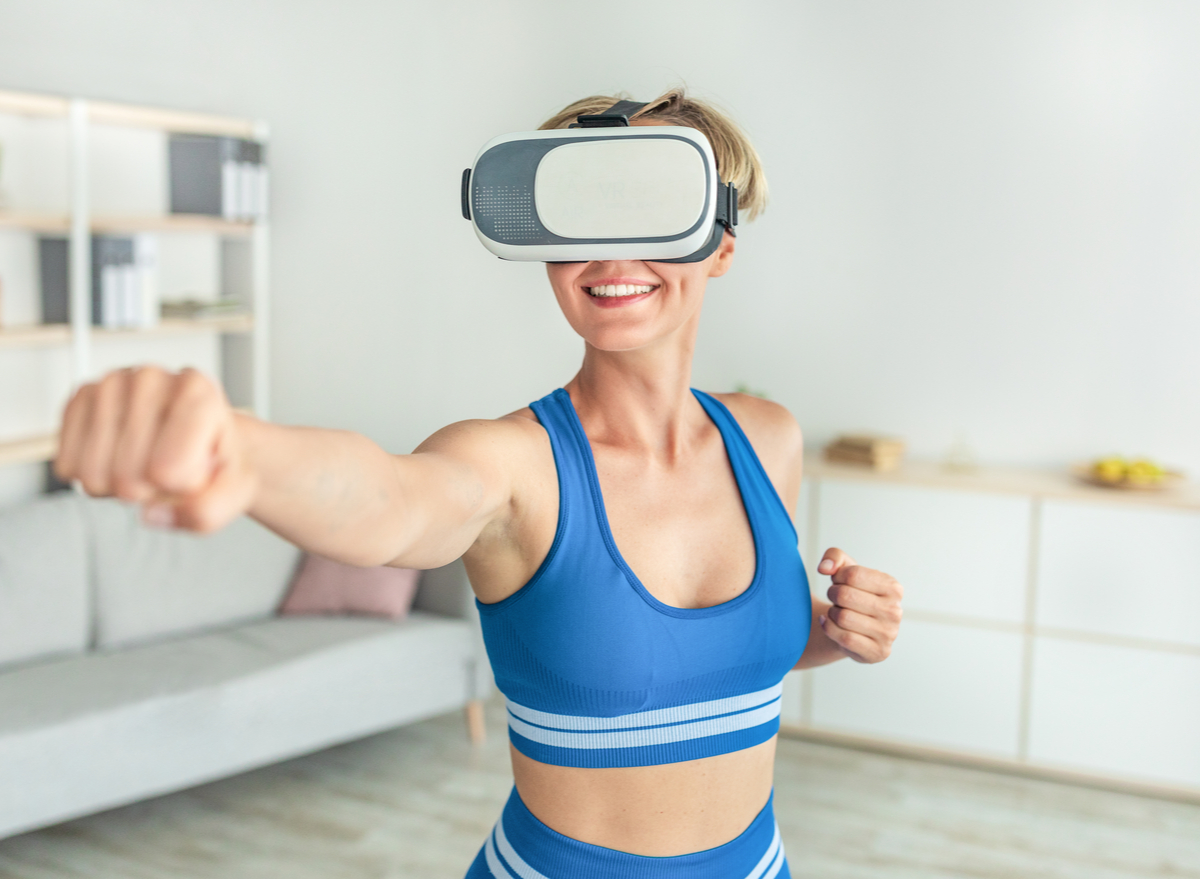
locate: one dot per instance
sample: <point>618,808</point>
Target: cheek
<point>563,275</point>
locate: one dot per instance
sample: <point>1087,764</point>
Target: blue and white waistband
<point>522,847</point>
<point>647,738</point>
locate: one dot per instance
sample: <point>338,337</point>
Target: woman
<point>643,706</point>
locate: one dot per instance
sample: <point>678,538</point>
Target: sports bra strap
<point>557,416</point>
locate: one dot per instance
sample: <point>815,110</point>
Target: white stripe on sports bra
<point>655,735</point>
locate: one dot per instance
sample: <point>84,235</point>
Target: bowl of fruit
<point>1131,474</point>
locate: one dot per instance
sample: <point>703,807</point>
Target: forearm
<point>334,493</point>
<point>819,650</point>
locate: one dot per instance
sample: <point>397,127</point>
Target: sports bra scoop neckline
<point>598,672</point>
<point>589,461</point>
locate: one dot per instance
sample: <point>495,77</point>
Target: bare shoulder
<point>771,428</point>
<point>488,437</point>
<point>776,437</point>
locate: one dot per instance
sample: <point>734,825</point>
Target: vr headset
<point>600,190</point>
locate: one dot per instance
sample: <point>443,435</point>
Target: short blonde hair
<point>737,160</point>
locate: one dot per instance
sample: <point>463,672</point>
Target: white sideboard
<point>1049,625</point>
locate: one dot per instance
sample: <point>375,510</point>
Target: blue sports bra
<point>598,672</point>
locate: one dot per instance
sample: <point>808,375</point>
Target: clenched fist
<point>168,441</point>
<point>865,617</point>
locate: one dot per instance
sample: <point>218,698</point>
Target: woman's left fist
<point>865,617</point>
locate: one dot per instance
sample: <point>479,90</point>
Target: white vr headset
<point>601,190</point>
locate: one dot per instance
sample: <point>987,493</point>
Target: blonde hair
<point>737,160</point>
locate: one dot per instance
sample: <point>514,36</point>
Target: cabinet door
<point>954,552</point>
<point>943,686</point>
<point>1127,571</point>
<point>1117,710</point>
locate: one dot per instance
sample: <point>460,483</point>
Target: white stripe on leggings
<point>771,861</point>
<point>510,854</point>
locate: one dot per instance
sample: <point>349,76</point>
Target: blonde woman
<point>629,541</point>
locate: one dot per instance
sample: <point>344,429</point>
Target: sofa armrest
<point>447,591</point>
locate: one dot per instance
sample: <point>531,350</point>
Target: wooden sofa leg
<point>476,730</point>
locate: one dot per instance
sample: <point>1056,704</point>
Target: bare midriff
<point>658,811</point>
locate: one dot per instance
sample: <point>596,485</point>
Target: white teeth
<point>608,290</point>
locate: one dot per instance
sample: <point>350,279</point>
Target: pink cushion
<point>324,586</point>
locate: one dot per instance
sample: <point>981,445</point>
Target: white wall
<point>985,215</point>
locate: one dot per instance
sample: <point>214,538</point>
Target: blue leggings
<point>522,847</point>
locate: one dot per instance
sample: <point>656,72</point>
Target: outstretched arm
<point>171,442</point>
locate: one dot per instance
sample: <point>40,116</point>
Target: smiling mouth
<point>610,291</point>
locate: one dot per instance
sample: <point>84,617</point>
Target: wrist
<point>250,440</point>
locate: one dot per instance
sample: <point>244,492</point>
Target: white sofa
<point>136,662</point>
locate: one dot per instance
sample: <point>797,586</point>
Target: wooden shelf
<point>35,336</point>
<point>242,323</point>
<point>1035,482</point>
<point>108,113</point>
<point>178,121</point>
<point>55,335</point>
<point>23,104</point>
<point>117,225</point>
<point>35,222</point>
<point>170,223</point>
<point>31,450</point>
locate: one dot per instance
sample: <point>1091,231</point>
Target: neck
<point>639,399</point>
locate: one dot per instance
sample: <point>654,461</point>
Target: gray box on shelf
<point>54,264</point>
<point>217,176</point>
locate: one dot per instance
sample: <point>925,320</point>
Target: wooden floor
<point>417,802</point>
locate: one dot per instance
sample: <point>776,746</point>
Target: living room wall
<point>984,216</point>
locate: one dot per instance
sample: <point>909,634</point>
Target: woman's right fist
<point>168,441</point>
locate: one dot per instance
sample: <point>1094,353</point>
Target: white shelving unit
<point>74,136</point>
<point>1050,627</point>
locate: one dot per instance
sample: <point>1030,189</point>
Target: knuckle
<point>190,384</point>
<point>146,378</point>
<point>113,382</point>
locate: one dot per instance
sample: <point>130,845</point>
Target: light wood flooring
<point>418,801</point>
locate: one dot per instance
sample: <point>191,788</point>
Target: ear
<point>722,259</point>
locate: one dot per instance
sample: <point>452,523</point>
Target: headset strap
<point>616,116</point>
<point>727,206</point>
<point>625,108</point>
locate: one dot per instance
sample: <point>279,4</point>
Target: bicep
<point>456,483</point>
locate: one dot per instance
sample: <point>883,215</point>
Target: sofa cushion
<point>328,587</point>
<point>44,605</point>
<point>152,583</point>
<point>112,727</point>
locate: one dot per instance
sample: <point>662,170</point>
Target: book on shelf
<point>124,283</point>
<point>217,176</point>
